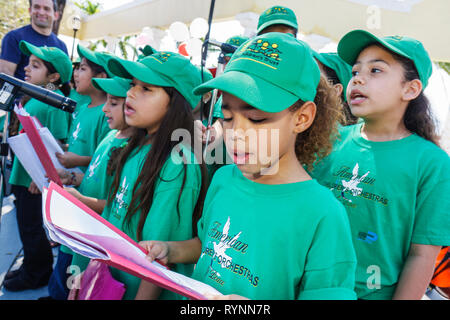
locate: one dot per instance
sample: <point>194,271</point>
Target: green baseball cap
<point>277,15</point>
<point>270,72</point>
<point>356,41</point>
<point>115,86</point>
<point>235,41</point>
<point>333,61</point>
<point>146,51</point>
<point>100,58</point>
<point>58,58</point>
<point>164,69</point>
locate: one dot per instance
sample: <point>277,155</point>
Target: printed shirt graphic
<point>252,247</point>
<point>163,221</point>
<point>352,184</point>
<point>89,128</point>
<point>395,193</point>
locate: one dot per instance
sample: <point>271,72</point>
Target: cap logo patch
<point>275,10</point>
<point>261,51</point>
<point>236,42</point>
<point>161,56</point>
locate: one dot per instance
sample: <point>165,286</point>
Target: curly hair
<point>316,142</point>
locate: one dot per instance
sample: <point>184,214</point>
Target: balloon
<point>194,47</point>
<point>148,31</point>
<point>182,50</point>
<point>179,31</point>
<point>198,28</point>
<point>143,39</point>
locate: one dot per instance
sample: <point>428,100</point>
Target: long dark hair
<point>418,117</point>
<point>178,116</point>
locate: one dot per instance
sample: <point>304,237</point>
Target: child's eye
<point>227,119</point>
<point>355,73</point>
<point>256,120</point>
<point>375,70</point>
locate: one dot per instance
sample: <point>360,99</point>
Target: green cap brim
<point>64,68</point>
<point>131,69</point>
<point>351,45</point>
<point>253,90</point>
<point>88,54</point>
<point>112,86</point>
<point>277,21</point>
<point>29,49</point>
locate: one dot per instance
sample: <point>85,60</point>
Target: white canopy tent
<point>321,24</point>
<point>424,20</point>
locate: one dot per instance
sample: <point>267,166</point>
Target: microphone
<point>10,86</point>
<point>225,47</point>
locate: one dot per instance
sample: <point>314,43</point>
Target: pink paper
<point>120,250</point>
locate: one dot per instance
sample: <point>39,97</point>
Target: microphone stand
<point>220,67</point>
<point>4,152</point>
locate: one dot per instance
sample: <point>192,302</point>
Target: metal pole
<point>219,70</point>
<point>73,44</point>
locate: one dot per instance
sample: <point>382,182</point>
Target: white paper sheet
<point>24,151</point>
<point>90,235</point>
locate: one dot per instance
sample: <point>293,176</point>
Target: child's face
<point>113,109</point>
<point>256,140</point>
<point>377,87</point>
<point>36,72</point>
<point>145,106</point>
<point>82,78</point>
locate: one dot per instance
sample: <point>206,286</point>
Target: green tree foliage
<point>13,15</point>
<point>89,7</point>
<point>445,66</point>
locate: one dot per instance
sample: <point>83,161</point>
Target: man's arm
<point>7,67</point>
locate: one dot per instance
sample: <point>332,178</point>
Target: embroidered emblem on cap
<point>161,56</point>
<point>261,51</point>
<point>276,10</point>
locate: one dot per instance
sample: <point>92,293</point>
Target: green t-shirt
<point>396,193</point>
<point>96,182</point>
<point>88,129</point>
<point>80,100</point>
<point>276,242</point>
<point>163,221</point>
<point>57,122</point>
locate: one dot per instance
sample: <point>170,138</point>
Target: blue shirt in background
<point>10,46</point>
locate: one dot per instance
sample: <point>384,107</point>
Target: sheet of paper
<point>79,228</point>
<point>25,152</point>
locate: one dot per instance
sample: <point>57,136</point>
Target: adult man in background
<point>43,14</point>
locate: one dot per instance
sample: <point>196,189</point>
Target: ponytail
<point>316,142</point>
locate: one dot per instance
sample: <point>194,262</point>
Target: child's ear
<point>339,88</point>
<point>412,90</point>
<point>54,77</point>
<point>101,75</point>
<point>304,116</point>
